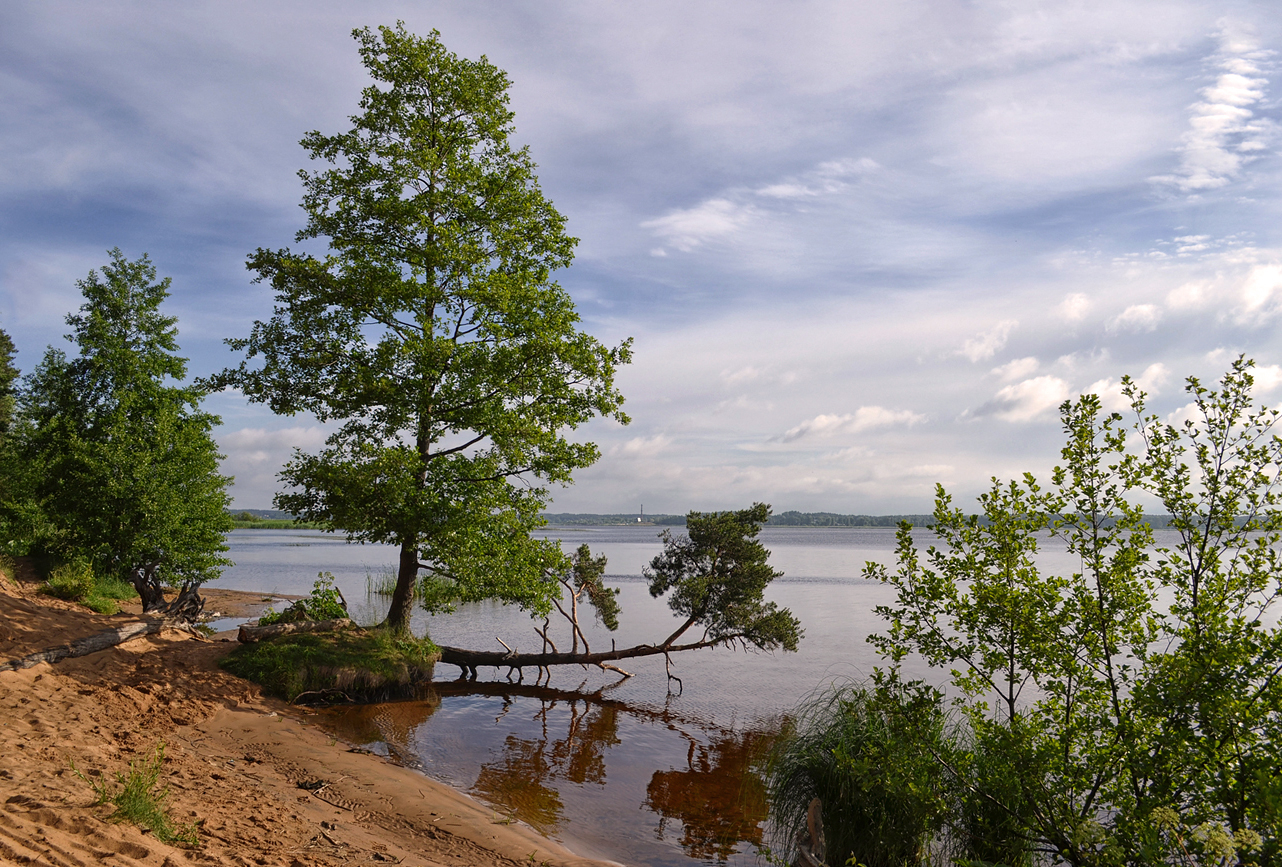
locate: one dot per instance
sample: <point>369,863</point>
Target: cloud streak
<point>862,419</point>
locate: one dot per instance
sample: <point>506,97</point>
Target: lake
<point>645,770</point>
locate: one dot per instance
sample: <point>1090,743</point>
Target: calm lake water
<point>642,771</point>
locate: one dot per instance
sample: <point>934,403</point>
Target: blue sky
<point>862,247</point>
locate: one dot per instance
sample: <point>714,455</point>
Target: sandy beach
<point>265,785</point>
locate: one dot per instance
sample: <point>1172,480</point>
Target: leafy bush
<point>136,799</point>
<point>1129,712</point>
<point>325,602</point>
<point>868,754</point>
<point>71,581</point>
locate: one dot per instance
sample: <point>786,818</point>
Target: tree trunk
<point>398,615</point>
<point>250,634</point>
<point>470,660</point>
<point>90,644</point>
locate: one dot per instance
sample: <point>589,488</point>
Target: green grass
<point>867,754</point>
<point>359,664</point>
<point>381,583</point>
<point>107,593</point>
<point>71,581</point>
<point>76,582</point>
<point>137,800</point>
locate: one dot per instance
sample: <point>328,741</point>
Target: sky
<point>862,248</point>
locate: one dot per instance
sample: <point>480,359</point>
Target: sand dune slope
<point>264,786</point>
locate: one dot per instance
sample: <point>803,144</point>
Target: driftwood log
<point>91,644</point>
<point>250,634</point>
<point>811,846</point>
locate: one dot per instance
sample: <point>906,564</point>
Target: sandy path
<point>234,762</point>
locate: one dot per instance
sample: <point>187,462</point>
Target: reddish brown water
<point>640,785</point>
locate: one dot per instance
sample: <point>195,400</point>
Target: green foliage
<point>433,332</point>
<point>718,574</point>
<point>8,375</point>
<point>362,664</point>
<point>107,593</point>
<point>75,581</point>
<point>71,581</point>
<point>870,756</point>
<point>136,799</point>
<point>125,467</point>
<point>325,602</point>
<point>585,581</point>
<point>1130,712</point>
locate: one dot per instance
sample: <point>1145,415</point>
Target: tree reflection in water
<point>718,797</point>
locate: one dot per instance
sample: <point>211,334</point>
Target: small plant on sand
<point>76,582</point>
<point>136,799</point>
<point>72,581</point>
<point>107,593</point>
<point>325,602</point>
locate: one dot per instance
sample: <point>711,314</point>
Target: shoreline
<point>266,783</point>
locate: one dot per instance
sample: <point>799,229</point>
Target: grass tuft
<point>71,581</point>
<point>867,754</point>
<point>136,799</point>
<point>358,664</point>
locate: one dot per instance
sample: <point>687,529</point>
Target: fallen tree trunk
<point>90,644</point>
<point>469,660</point>
<point>250,634</point>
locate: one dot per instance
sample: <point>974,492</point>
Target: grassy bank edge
<point>355,665</point>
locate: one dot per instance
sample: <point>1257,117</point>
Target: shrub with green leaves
<point>137,799</point>
<point>1129,712</point>
<point>325,602</point>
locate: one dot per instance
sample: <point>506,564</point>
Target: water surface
<point>648,770</point>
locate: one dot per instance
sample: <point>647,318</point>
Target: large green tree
<point>127,467</point>
<point>432,332</point>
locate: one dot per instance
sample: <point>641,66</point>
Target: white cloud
<point>255,455</point>
<point>1110,390</point>
<point>864,418</point>
<point>1137,318</point>
<point>256,444</point>
<point>713,220</point>
<point>638,447</point>
<point>1020,368</point>
<point>1266,378</point>
<point>1027,400</point>
<point>1178,417</point>
<point>1261,292</point>
<point>1224,133</point>
<point>984,346</point>
<point>740,376</point>
<point>1074,307</point>
<point>1194,295</point>
<point>825,179</point>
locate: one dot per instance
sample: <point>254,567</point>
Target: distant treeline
<point>832,519</point>
<point>267,519</point>
<point>783,519</point>
<point>577,518</point>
